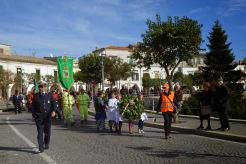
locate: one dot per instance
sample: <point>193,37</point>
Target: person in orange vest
<point>166,106</point>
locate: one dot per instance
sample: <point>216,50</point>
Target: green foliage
<point>178,77</point>
<point>168,43</point>
<point>116,70</point>
<point>189,80</point>
<point>236,106</point>
<point>91,68</point>
<point>131,107</point>
<point>190,106</point>
<point>5,80</point>
<point>146,80</point>
<point>237,102</point>
<point>219,60</point>
<point>149,82</point>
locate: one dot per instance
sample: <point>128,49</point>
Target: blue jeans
<point>140,124</point>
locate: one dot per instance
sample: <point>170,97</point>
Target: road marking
<point>30,144</point>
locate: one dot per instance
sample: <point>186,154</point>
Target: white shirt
<point>144,116</point>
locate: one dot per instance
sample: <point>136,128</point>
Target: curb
<point>211,134</point>
<point>197,117</point>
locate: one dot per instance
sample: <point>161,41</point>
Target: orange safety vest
<point>167,102</point>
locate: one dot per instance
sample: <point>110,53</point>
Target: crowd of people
<point>44,105</point>
<point>214,97</point>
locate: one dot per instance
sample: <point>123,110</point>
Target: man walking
<point>43,108</point>
<point>166,106</point>
<point>83,101</point>
<point>221,98</point>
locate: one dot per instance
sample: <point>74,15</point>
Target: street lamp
<point>103,53</point>
<point>19,71</point>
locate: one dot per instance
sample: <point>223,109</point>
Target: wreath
<point>131,107</point>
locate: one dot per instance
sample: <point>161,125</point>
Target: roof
<point>118,48</point>
<point>26,59</point>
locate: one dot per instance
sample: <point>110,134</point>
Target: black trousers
<point>167,122</point>
<point>44,128</point>
<point>140,124</point>
<point>223,117</point>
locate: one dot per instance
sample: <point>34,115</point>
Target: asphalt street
<point>83,144</point>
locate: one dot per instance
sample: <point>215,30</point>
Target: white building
<point>27,65</point>
<point>155,71</point>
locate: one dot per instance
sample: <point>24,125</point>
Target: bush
<point>190,106</point>
<point>237,103</point>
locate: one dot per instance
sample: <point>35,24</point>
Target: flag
<point>65,71</point>
<point>36,90</point>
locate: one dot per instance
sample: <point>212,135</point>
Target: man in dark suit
<point>43,108</point>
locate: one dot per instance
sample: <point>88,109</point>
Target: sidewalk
<point>188,124</point>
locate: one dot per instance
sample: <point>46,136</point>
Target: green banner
<point>65,71</point>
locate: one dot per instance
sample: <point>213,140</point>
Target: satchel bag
<point>206,110</point>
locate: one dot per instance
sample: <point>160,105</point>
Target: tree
<point>178,77</point>
<point>112,68</point>
<point>5,80</point>
<point>146,80</point>
<point>168,43</point>
<point>219,59</point>
<point>91,69</point>
<point>116,70</point>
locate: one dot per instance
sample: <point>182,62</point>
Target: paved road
<point>82,144</point>
<point>192,123</point>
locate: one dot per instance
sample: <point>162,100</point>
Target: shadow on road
<point>179,153</point>
<point>20,149</point>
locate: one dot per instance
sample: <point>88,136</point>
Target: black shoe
<point>200,127</point>
<point>208,128</point>
<point>46,147</point>
<point>41,149</point>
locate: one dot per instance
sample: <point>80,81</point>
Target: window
<point>156,74</point>
<point>55,76</point>
<point>135,76</point>
<point>1,50</point>
<point>18,71</point>
<point>1,67</point>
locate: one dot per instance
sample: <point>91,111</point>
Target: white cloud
<point>242,27</point>
<point>198,10</point>
<point>231,7</point>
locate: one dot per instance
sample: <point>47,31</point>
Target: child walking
<point>100,112</point>
<point>143,118</point>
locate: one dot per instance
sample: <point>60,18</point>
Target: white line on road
<point>30,144</point>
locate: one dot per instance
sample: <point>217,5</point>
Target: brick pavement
<point>83,144</point>
<point>189,124</point>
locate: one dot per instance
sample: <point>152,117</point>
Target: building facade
<point>27,65</point>
<point>155,71</point>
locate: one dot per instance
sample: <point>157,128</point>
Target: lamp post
<point>103,53</point>
<point>19,71</point>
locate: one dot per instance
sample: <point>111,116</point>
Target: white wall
<point>28,67</point>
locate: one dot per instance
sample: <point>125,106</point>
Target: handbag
<point>206,110</point>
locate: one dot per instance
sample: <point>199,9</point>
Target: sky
<point>77,27</point>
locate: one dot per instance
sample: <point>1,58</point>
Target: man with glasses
<point>166,106</point>
<point>43,108</point>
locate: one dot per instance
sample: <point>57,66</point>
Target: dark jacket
<point>205,98</point>
<point>221,97</point>
<point>43,105</point>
